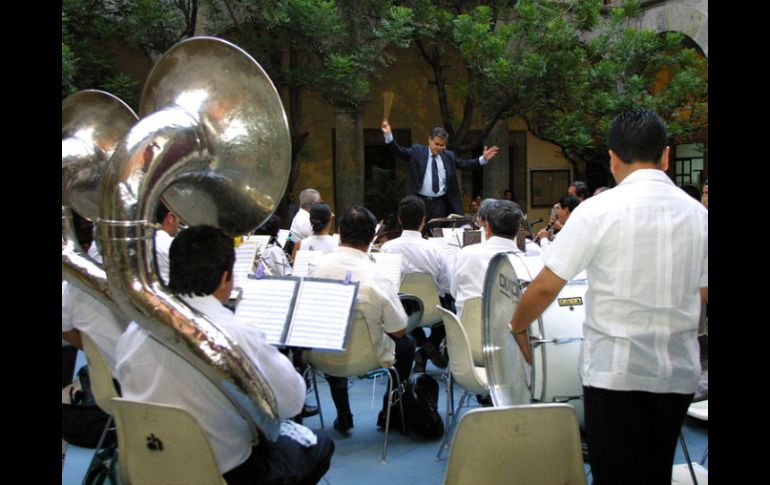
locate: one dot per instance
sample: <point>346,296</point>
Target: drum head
<point>508,375</point>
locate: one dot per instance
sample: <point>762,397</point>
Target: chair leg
<point>448,416</point>
<point>392,374</point>
<point>317,398</point>
<point>95,459</point>
<point>687,457</point>
<point>705,455</point>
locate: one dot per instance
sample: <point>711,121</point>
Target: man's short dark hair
<point>569,201</point>
<point>637,135</point>
<point>270,227</point>
<point>503,217</point>
<point>357,226</point>
<point>439,132</point>
<point>161,212</point>
<point>411,211</point>
<point>581,189</point>
<point>320,215</point>
<point>197,258</point>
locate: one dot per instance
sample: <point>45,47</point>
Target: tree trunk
<point>348,160</point>
<point>497,170</point>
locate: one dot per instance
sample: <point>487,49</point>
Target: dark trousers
<point>283,462</point>
<point>632,435</point>
<point>69,356</point>
<point>338,386</point>
<point>437,207</point>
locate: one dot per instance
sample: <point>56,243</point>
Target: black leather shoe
<point>343,422</point>
<point>419,361</point>
<point>308,411</point>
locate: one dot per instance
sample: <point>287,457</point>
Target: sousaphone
<point>213,142</point>
<point>93,123</point>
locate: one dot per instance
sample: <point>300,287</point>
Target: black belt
<point>428,197</point>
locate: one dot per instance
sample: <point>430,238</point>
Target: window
<point>688,165</point>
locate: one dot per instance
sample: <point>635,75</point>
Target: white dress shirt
<point>644,245</point>
<point>377,301</point>
<point>163,242</point>
<point>81,311</point>
<point>420,255</point>
<point>325,244</point>
<point>275,259</point>
<point>300,225</point>
<point>149,371</point>
<point>471,268</point>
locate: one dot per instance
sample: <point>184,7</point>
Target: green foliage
<point>563,67</point>
<point>95,31</point>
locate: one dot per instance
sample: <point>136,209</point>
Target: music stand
<point>453,221</point>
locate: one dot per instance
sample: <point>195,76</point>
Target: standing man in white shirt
<point>432,170</point>
<point>644,246</point>
<point>420,255</point>
<point>202,259</point>
<point>500,220</point>
<point>169,227</point>
<point>300,225</point>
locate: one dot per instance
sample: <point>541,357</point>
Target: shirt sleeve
<point>389,138</point>
<point>572,251</point>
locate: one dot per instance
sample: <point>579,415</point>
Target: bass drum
<point>555,337</point>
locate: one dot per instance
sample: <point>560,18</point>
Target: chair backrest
<point>102,385</point>
<point>423,287</point>
<point>162,444</point>
<point>537,444</point>
<point>357,359</point>
<point>414,310</point>
<point>460,360</point>
<point>471,320</point>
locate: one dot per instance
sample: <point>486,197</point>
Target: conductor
<point>432,171</point>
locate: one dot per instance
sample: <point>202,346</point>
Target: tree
<point>335,48</point>
<point>561,66</point>
<point>95,31</point>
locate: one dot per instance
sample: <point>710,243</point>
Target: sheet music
<point>322,314</point>
<point>262,240</point>
<point>267,303</point>
<point>449,247</point>
<point>303,260</point>
<point>390,265</point>
<point>244,260</point>
<point>450,232</point>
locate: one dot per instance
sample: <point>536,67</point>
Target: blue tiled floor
<point>357,457</point>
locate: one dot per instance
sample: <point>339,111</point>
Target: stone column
<point>348,160</point>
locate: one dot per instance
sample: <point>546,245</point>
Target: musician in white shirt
<point>501,220</point>
<point>644,246</point>
<point>300,225</point>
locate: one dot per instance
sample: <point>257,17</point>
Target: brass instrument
<point>93,123</point>
<point>213,142</point>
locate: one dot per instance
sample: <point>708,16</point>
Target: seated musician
<point>273,255</point>
<point>321,219</point>
<point>500,220</point>
<point>567,203</point>
<point>377,305</point>
<point>202,259</point>
<point>420,255</point>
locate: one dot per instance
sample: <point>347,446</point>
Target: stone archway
<point>689,17</point>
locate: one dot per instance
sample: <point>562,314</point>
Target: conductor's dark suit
<point>418,158</point>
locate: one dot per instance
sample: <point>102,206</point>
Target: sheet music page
<point>449,231</point>
<point>389,264</point>
<point>267,303</point>
<point>244,261</point>
<point>262,240</point>
<point>283,234</point>
<point>302,261</point>
<point>322,314</point>
<point>449,247</point>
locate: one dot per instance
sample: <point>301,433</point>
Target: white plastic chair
<point>423,287</point>
<point>471,321</point>
<point>534,444</point>
<point>360,359</point>
<point>472,379</point>
<point>162,445</point>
